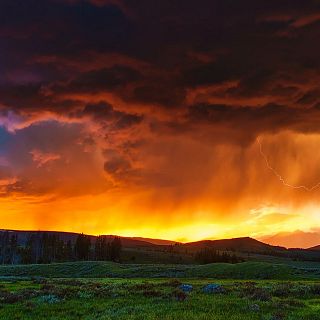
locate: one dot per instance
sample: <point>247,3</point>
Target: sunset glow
<point>133,118</point>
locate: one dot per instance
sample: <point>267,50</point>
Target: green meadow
<point>105,290</point>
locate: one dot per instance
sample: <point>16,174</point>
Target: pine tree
<point>82,247</point>
<point>115,249</point>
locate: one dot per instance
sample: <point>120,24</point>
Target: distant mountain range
<point>237,244</point>
<point>154,241</point>
<point>243,244</point>
<point>277,243</point>
<point>72,236</point>
<point>296,239</point>
<point>148,250</point>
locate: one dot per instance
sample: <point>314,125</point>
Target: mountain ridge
<point>240,242</point>
<point>294,239</point>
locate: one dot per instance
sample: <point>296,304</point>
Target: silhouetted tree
<point>28,251</point>
<point>105,249</point>
<point>82,247</point>
<point>208,255</point>
<point>68,251</point>
<point>13,251</point>
<point>102,249</point>
<point>97,249</point>
<point>115,249</point>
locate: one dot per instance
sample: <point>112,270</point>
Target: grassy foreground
<point>158,299</point>
<point>105,290</point>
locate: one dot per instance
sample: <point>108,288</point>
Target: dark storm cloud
<point>103,111</point>
<point>244,124</point>
<point>310,97</point>
<point>28,97</point>
<point>269,117</point>
<point>225,69</point>
<point>252,42</point>
<point>165,94</point>
<point>116,164</point>
<point>49,27</point>
<point>119,166</point>
<point>100,80</point>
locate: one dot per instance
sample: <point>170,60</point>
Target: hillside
<point>72,236</point>
<point>154,241</point>
<point>315,248</point>
<point>145,250</point>
<point>245,244</point>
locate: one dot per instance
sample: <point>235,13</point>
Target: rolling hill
<point>72,236</point>
<point>245,244</point>
<point>315,248</point>
<point>147,250</point>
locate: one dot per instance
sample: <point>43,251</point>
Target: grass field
<point>104,290</point>
<point>99,269</point>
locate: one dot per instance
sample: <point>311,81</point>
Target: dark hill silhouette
<point>245,244</point>
<point>152,249</point>
<point>72,236</point>
<point>155,241</point>
<point>315,248</point>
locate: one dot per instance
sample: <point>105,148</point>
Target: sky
<point>179,120</point>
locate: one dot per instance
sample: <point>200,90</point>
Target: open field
<point>99,269</point>
<point>105,290</point>
<point>158,299</point>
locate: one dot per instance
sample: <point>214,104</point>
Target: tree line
<point>43,247</point>
<point>208,255</point>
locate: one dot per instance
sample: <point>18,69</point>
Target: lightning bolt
<point>278,175</point>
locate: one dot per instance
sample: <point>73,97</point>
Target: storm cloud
<point>159,101</point>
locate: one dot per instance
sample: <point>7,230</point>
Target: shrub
<point>301,291</point>
<point>282,289</point>
<point>102,293</point>
<point>47,287</point>
<point>261,294</point>
<point>173,283</point>
<point>50,298</point>
<point>143,286</point>
<point>315,289</point>
<point>179,295</point>
<point>39,280</point>
<point>7,297</point>
<point>69,282</point>
<point>251,291</point>
<point>30,305</point>
<point>84,295</point>
<point>278,315</point>
<point>13,297</point>
<point>65,292</point>
<point>287,303</point>
<point>152,293</point>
